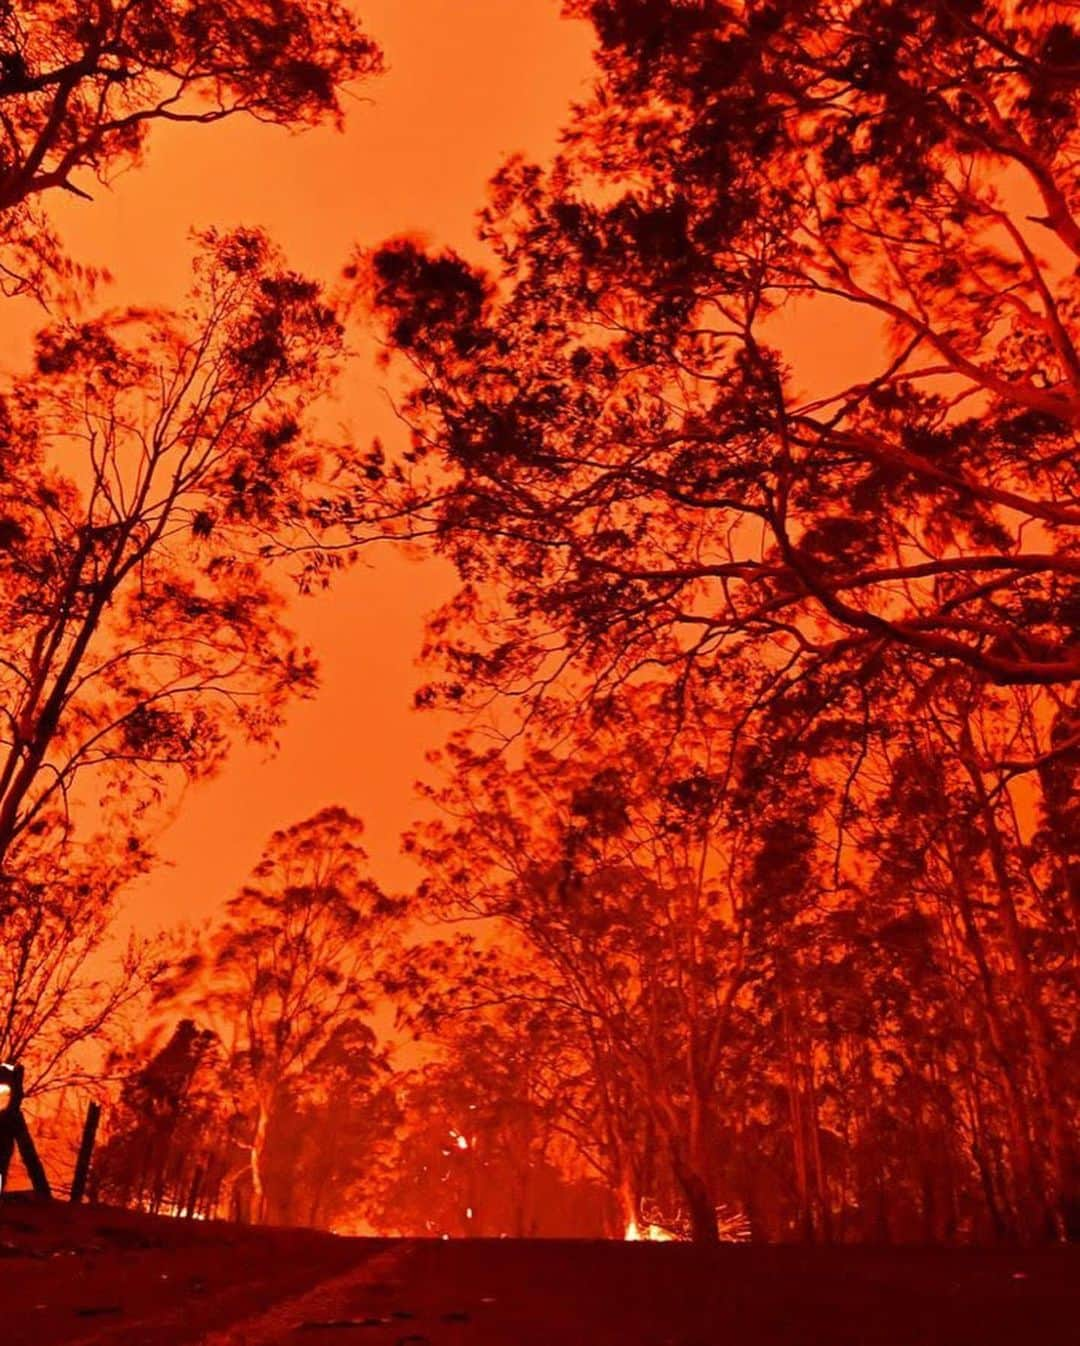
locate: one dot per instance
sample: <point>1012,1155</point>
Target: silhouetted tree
<point>151,469</point>
<point>81,85</point>
<point>166,1126</point>
<point>291,970</point>
<point>616,426</point>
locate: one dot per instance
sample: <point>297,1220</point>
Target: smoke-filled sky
<point>469,82</point>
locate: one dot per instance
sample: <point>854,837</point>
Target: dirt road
<point>587,1294</point>
<point>100,1278</point>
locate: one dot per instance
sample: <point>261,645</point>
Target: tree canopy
<point>81,85</point>
<point>287,980</point>
<point>154,466</point>
<point>846,589</point>
<point>613,425</point>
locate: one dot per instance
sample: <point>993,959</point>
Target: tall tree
<point>151,469</point>
<point>294,963</point>
<point>612,867</point>
<point>166,1124</point>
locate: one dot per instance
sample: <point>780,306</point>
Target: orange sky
<point>469,81</point>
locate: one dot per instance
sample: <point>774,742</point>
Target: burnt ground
<point>99,1277</point>
<point>69,1274</point>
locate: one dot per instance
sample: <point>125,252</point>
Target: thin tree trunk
<point>1034,1012</point>
<point>258,1151</point>
<point>704,1228</point>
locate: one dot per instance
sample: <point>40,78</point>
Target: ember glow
<point>649,1233</point>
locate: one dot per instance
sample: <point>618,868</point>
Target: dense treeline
<point>751,882</point>
<point>782,653</point>
<point>684,1003</point>
<point>273,1099</point>
<point>865,1034</point>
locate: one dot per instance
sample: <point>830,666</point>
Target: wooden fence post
<point>86,1150</point>
<point>14,1132</point>
<point>31,1160</point>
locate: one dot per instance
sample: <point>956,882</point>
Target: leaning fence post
<point>11,1089</point>
<point>14,1131</point>
<point>35,1169</point>
<point>86,1150</point>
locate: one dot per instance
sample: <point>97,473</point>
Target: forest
<point>747,896</point>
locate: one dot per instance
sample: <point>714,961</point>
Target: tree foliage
<point>616,425</point>
<point>154,465</point>
<point>852,585</point>
<point>81,85</point>
<point>69,983</point>
<point>155,469</point>
<point>859,1041</point>
<point>287,980</point>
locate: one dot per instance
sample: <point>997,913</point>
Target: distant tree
<point>83,81</point>
<point>286,977</point>
<point>486,1147</point>
<point>152,468</point>
<point>183,1119</point>
<point>166,1124</point>
<point>331,1142</point>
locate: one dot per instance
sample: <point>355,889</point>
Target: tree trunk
<point>258,1151</point>
<point>1062,1160</point>
<point>1029,1196</point>
<point>628,1200</point>
<point>821,1182</point>
<point>804,1218</point>
<point>703,1224</point>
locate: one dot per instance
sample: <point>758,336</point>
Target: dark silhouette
<point>82,85</point>
<point>841,599</point>
<point>14,1133</point>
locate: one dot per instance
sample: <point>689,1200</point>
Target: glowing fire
<point>650,1233</point>
<point>177,1212</point>
<point>656,1227</point>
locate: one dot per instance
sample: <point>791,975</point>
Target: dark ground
<point>100,1277</point>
